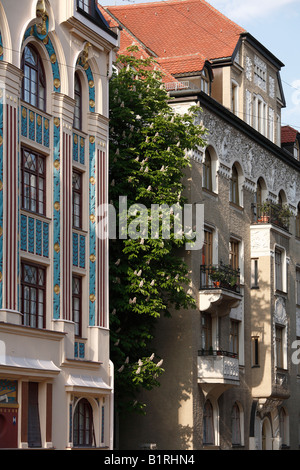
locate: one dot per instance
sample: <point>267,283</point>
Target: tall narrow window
<point>83,429</point>
<point>235,425</point>
<point>206,257</point>
<point>33,183</point>
<point>77,199</point>
<point>234,337</point>
<point>34,431</point>
<point>78,103</point>
<point>234,98</point>
<point>279,330</point>
<point>207,171</point>
<point>208,424</point>
<point>278,270</point>
<point>298,221</point>
<point>254,273</point>
<point>33,287</point>
<point>205,81</point>
<point>76,304</point>
<point>234,254</point>
<point>206,331</point>
<point>255,351</point>
<point>298,286</point>
<point>34,83</point>
<point>234,186</point>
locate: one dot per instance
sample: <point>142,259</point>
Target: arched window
<point>34,82</point>
<point>207,171</point>
<point>236,425</point>
<point>234,186</point>
<point>259,190</point>
<point>78,103</point>
<point>83,429</point>
<point>208,424</point>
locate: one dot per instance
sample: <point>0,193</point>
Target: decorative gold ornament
<point>75,139</point>
<point>1,185</point>
<point>46,40</point>
<point>1,50</point>
<point>39,120</point>
<point>92,139</point>
<point>24,113</point>
<point>56,122</point>
<point>56,164</point>
<point>1,140</point>
<point>31,116</point>
<point>1,231</point>
<point>0,277</point>
<point>92,218</point>
<point>56,289</point>
<point>92,258</point>
<point>57,206</point>
<point>41,14</point>
<point>53,58</point>
<point>92,180</point>
<point>57,247</point>
<point>91,84</point>
<point>81,142</point>
<point>92,103</point>
<point>46,124</point>
<point>56,83</point>
<point>92,298</point>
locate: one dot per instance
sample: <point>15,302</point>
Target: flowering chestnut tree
<point>149,145</point>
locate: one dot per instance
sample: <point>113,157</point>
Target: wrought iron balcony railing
<point>220,276</point>
<point>270,213</point>
<point>216,352</point>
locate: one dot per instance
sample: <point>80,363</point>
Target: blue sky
<point>276,24</point>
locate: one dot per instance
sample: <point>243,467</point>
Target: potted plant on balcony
<point>264,212</point>
<point>217,276</point>
<point>284,215</point>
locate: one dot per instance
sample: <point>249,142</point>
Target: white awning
<point>87,383</point>
<point>41,365</point>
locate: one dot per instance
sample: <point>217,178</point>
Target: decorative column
<point>10,78</point>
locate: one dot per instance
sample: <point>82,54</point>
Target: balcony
<point>270,213</point>
<point>219,288</point>
<point>217,371</point>
<point>220,276</point>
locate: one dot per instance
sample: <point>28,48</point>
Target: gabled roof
<point>288,134</point>
<point>180,27</point>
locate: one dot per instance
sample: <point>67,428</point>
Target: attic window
<point>87,6</point>
<point>260,73</point>
<point>205,81</point>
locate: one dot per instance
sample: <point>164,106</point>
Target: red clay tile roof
<point>288,134</point>
<point>183,64</point>
<point>180,27</point>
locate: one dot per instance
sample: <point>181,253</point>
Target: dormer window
<point>87,6</point>
<point>205,81</point>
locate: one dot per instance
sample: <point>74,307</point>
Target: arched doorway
<point>83,428</point>
<point>266,435</point>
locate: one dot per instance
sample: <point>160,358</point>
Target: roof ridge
<point>170,3</point>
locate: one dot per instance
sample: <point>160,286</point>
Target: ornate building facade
<point>231,366</point>
<point>56,377</point>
